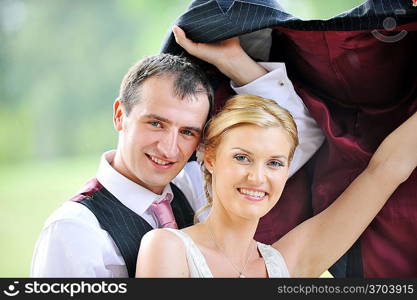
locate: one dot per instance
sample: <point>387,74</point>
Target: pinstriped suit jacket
<point>214,20</point>
<point>357,75</point>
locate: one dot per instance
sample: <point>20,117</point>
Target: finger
<point>177,31</point>
<point>179,35</point>
<point>182,39</point>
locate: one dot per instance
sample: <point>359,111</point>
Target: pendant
<point>242,276</point>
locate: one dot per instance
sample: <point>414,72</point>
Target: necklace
<point>248,255</point>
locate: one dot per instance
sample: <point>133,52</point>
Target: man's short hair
<point>189,79</point>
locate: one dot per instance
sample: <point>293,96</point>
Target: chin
<point>253,213</point>
<point>157,178</point>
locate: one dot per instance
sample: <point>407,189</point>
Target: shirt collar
<point>132,195</point>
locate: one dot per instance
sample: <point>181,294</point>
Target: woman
<point>247,150</point>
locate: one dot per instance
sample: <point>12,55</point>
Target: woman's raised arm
<point>314,245</point>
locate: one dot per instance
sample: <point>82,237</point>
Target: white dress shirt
<point>72,243</point>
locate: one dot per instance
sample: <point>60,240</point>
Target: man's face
<point>160,133</point>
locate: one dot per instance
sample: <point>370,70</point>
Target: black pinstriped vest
<point>125,226</point>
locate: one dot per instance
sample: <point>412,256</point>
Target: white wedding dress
<point>274,262</point>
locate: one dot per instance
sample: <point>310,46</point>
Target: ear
<point>118,115</point>
<point>209,160</point>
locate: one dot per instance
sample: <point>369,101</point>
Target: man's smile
<point>160,162</point>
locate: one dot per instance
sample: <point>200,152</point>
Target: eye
<point>276,164</point>
<point>241,158</point>
<point>155,124</point>
<point>187,132</point>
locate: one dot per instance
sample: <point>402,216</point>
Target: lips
<point>160,162</point>
<point>253,194</point>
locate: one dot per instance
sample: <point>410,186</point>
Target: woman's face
<point>249,170</point>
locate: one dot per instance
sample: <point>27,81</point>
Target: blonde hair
<point>238,111</point>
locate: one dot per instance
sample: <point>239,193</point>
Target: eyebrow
<point>275,156</point>
<point>165,120</point>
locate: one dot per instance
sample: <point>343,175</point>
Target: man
<point>356,74</point>
<point>162,107</point>
<point>160,114</point>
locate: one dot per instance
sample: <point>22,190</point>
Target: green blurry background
<point>61,63</point>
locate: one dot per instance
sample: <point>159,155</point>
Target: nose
<point>168,145</point>
<point>256,174</point>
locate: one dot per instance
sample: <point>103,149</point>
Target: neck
<point>233,235</point>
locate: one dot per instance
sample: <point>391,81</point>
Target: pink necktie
<point>163,212</point>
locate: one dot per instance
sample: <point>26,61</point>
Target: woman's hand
<point>228,56</point>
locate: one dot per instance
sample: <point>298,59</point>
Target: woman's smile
<point>253,194</point>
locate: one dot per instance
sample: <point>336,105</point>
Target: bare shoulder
<point>161,238</point>
<point>161,254</point>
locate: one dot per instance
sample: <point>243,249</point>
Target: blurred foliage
<point>61,63</point>
<point>318,9</point>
